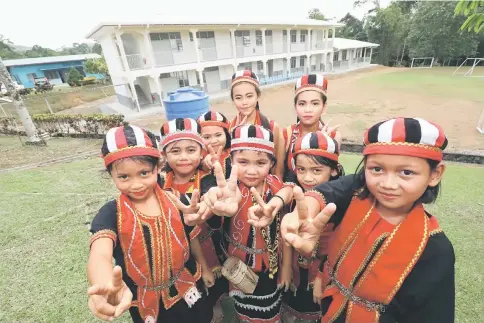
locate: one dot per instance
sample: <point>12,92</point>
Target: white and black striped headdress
<point>252,137</point>
<point>317,144</point>
<point>312,82</point>
<point>213,118</point>
<point>245,76</point>
<point>180,129</point>
<point>406,136</point>
<point>128,141</point>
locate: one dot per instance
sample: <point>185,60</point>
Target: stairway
<point>142,99</point>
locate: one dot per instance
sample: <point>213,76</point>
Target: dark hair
<point>323,97</point>
<point>153,161</point>
<point>228,139</point>
<point>328,162</point>
<point>166,167</point>
<point>257,90</point>
<point>428,197</point>
<point>272,158</point>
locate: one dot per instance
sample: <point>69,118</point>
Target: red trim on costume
<point>405,149</point>
<point>253,146</point>
<point>244,318</point>
<point>208,123</point>
<point>168,139</point>
<point>120,138</point>
<point>302,316</point>
<point>130,152</point>
<point>110,234</point>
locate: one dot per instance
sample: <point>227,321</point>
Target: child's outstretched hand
<point>286,277</point>
<point>208,277</point>
<point>224,199</point>
<point>212,157</point>
<point>317,291</point>
<point>262,214</point>
<point>111,300</point>
<point>194,213</point>
<point>302,230</point>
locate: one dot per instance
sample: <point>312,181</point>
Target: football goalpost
<point>422,62</point>
<point>468,67</point>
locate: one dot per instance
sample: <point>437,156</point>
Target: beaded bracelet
<point>283,203</point>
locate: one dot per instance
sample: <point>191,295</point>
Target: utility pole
<point>22,111</point>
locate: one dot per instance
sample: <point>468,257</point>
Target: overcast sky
<point>56,23</point>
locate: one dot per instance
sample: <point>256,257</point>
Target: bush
<point>77,124</point>
<point>74,78</point>
<point>25,91</point>
<point>89,80</point>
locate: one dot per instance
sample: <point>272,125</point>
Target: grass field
<point>44,214</point>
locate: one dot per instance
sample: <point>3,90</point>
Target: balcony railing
<point>299,47</point>
<point>248,51</point>
<point>135,62</point>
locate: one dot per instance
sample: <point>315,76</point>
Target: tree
<point>74,78</point>
<point>385,28</point>
<point>76,49</point>
<point>22,111</point>
<point>474,11</point>
<point>39,51</point>
<point>316,14</point>
<point>96,48</point>
<point>435,32</point>
<point>353,29</point>
<point>7,50</point>
<point>97,66</point>
<point>361,3</point>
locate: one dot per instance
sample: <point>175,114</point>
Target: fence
<point>58,99</point>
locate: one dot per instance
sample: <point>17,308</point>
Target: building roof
<point>48,60</point>
<point>212,21</point>
<point>344,43</point>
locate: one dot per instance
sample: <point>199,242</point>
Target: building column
<point>119,41</point>
<point>264,64</point>
<point>371,52</point>
<point>288,65</point>
<point>158,87</point>
<point>325,38</point>
<point>309,42</point>
<point>195,43</point>
<point>135,96</point>
<point>263,30</point>
<point>288,30</point>
<point>334,34</point>
<point>149,48</point>
<point>308,69</point>
<point>200,77</point>
<point>331,59</point>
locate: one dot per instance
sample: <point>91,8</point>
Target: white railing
<point>136,61</point>
<point>243,51</point>
<point>299,47</point>
<point>276,48</point>
<point>163,58</point>
<point>298,70</point>
<point>208,54</point>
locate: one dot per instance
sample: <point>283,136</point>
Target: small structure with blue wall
<point>55,68</point>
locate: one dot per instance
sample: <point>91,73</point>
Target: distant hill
<point>20,48</point>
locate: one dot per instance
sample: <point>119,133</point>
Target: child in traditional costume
<point>245,93</point>
<point>215,133</point>
<point>158,258</point>
<point>182,146</point>
<point>388,259</point>
<point>310,102</point>
<point>315,157</point>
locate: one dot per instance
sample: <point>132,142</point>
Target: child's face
<point>310,173</point>
<point>398,181</point>
<point>184,156</point>
<point>253,167</point>
<point>245,98</point>
<point>134,178</point>
<point>214,136</point>
<point>309,107</point>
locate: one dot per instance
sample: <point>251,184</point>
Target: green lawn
<point>437,81</point>
<point>44,238</point>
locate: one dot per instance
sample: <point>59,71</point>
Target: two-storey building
<point>151,58</point>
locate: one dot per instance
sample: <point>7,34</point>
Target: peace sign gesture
<point>212,157</point>
<point>240,121</point>
<point>262,214</point>
<point>224,199</point>
<point>329,130</point>
<point>301,230</point>
<point>110,300</point>
<point>193,214</point>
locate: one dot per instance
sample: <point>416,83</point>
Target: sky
<point>57,23</point>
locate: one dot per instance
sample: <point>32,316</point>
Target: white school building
<point>146,60</point>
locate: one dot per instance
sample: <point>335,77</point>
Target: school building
<point>54,68</point>
<point>148,59</point>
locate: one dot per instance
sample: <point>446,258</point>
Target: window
<point>182,78</point>
<point>190,34</point>
<point>174,38</point>
<point>293,62</point>
<point>284,32</point>
<point>17,79</point>
<point>245,66</point>
<point>268,32</point>
<point>245,35</point>
<point>260,66</point>
<point>164,75</point>
<point>258,38</point>
<point>293,36</point>
<point>51,75</point>
<point>211,69</point>
<point>301,61</point>
<point>205,34</point>
<point>303,36</point>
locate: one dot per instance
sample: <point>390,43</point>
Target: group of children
<point>244,209</point>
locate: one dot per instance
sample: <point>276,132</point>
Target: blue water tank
<point>186,102</point>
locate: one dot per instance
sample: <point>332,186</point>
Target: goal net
<point>422,62</point>
<point>471,67</point>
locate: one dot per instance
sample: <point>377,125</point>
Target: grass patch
<point>44,238</point>
<point>346,109</point>
<point>437,81</point>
